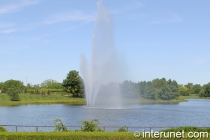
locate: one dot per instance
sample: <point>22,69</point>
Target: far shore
<point>60,99</point>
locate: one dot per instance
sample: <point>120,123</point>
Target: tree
<point>74,84</point>
<point>183,90</point>
<point>59,126</point>
<point>52,84</point>
<point>190,87</point>
<point>91,126</point>
<point>14,94</point>
<point>205,91</point>
<point>159,89</point>
<point>14,84</point>
<point>196,89</point>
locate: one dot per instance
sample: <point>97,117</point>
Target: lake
<point>195,112</point>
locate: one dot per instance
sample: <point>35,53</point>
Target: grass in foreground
<point>79,136</point>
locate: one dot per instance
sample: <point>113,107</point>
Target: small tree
<point>18,85</point>
<point>2,129</point>
<point>91,126</point>
<point>123,129</point>
<point>59,126</point>
<point>14,94</point>
<point>48,92</point>
<point>74,84</point>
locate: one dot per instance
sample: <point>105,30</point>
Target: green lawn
<point>39,99</point>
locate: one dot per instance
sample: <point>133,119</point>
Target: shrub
<point>91,126</point>
<point>59,126</point>
<point>14,94</point>
<point>2,129</point>
<point>123,129</point>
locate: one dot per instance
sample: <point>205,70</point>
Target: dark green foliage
<point>48,92</point>
<point>25,91</point>
<point>190,87</point>
<point>91,126</point>
<point>159,89</point>
<point>74,84</point>
<point>193,89</point>
<point>14,94</point>
<point>123,129</point>
<point>18,85</point>
<point>196,89</point>
<point>2,129</point>
<point>59,126</point>
<point>205,91</point>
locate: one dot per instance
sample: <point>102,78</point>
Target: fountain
<point>105,71</point>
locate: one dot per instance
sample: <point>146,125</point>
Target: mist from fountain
<point>103,74</point>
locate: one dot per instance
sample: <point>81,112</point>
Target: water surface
<point>193,113</point>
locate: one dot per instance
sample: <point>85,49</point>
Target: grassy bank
<point>39,99</point>
<point>60,99</point>
<point>151,101</point>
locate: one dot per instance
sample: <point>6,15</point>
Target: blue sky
<point>44,39</point>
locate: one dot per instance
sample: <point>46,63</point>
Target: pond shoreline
<point>59,99</point>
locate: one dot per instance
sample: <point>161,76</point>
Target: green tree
<point>196,88</point>
<point>183,90</point>
<point>15,84</point>
<point>74,84</point>
<point>59,126</point>
<point>52,84</point>
<point>159,89</point>
<point>1,86</point>
<point>91,126</point>
<point>13,93</point>
<point>205,91</point>
<point>190,87</point>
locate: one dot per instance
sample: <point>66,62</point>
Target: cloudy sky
<point>44,39</point>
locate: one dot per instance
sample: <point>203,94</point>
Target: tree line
<point>74,85</point>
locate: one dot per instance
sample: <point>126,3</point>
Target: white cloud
<point>71,16</point>
<point>17,6</point>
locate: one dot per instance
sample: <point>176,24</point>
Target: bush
<point>2,129</point>
<point>59,126</point>
<point>91,126</point>
<point>14,94</point>
<point>123,129</point>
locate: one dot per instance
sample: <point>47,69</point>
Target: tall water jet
<point>103,74</point>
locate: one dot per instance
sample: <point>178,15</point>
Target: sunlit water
<point>193,113</point>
